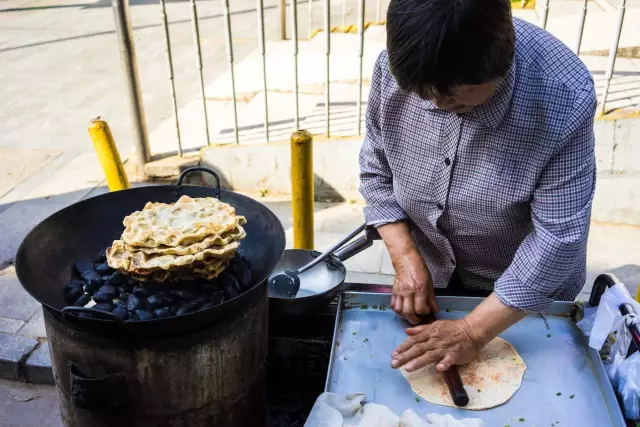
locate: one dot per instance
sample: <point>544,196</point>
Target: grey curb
<point>24,359</point>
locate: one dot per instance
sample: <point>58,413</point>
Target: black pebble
<point>217,297</point>
<point>102,268</point>
<point>242,273</point>
<point>230,281</point>
<point>105,306</point>
<point>109,290</point>
<point>184,309</point>
<point>74,294</point>
<point>199,301</point>
<point>92,288</point>
<point>155,301</point>
<point>102,298</point>
<point>133,303</point>
<point>133,316</point>
<point>91,276</point>
<point>120,302</point>
<point>162,312</point>
<point>106,278</point>
<point>83,300</point>
<point>73,284</point>
<point>102,256</point>
<point>120,289</point>
<point>144,314</point>
<point>121,312</point>
<point>207,305</point>
<point>124,296</point>
<point>118,279</point>
<point>82,266</point>
<point>230,292</point>
<point>183,295</point>
<point>140,292</point>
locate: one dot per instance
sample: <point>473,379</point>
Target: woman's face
<point>461,98</point>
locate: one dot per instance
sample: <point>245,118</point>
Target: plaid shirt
<point>501,194</point>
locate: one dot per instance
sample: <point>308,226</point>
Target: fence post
<point>302,192</point>
<point>174,102</point>
<point>294,38</point>
<point>327,51</point>
<point>583,17</point>
<point>124,34</point>
<point>108,155</point>
<point>612,57</point>
<point>361,12</point>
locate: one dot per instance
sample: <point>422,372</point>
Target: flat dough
<point>182,223</point>
<point>490,380</point>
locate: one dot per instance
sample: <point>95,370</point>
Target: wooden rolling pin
<point>451,376</point>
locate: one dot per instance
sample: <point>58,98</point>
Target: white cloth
<point>333,410</point>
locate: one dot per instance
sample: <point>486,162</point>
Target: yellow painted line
<point>349,29</point>
<point>614,116</point>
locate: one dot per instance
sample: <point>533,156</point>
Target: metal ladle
<point>286,284</point>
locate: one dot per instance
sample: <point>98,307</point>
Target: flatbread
<point>234,235</point>
<point>490,380</point>
<point>181,223</point>
<point>119,258</point>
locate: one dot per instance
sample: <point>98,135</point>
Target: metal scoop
<point>286,284</point>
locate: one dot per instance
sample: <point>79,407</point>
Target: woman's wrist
<point>397,238</point>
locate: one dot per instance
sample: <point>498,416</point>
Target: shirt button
<point>440,206</point>
<point>447,161</point>
<point>453,261</point>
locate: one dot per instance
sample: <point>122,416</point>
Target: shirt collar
<point>493,111</point>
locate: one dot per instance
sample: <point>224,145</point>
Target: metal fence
<point>290,11</point>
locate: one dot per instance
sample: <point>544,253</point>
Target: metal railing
<point>343,8</point>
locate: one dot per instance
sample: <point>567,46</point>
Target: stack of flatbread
<point>188,239</point>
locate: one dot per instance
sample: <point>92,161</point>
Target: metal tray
<point>366,333</point>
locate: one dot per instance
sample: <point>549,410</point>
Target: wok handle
<point>452,376</point>
<point>358,245</point>
<point>186,172</point>
<point>98,394</point>
<point>105,315</point>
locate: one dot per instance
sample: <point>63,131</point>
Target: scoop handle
<point>331,250</point>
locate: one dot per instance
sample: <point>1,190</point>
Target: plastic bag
<point>607,318</point>
<point>629,386</point>
<point>333,410</point>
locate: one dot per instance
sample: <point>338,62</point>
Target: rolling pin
<point>451,376</point>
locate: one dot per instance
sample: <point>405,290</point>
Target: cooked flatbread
<point>182,223</point>
<point>204,271</point>
<point>119,258</point>
<point>490,380</point>
<point>234,235</point>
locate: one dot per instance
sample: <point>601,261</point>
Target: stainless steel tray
<point>366,333</point>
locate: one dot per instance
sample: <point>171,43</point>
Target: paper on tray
<point>333,410</point>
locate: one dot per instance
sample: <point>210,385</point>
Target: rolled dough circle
<point>490,380</point>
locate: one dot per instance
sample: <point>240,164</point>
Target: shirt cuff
<point>518,296</point>
<point>383,213</point>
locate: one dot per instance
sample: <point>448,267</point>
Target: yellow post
<point>638,293</point>
<point>302,189</point>
<point>108,155</point>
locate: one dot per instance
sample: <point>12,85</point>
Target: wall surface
<point>266,167</point>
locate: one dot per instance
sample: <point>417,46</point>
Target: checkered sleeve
<point>376,179</point>
<point>561,213</point>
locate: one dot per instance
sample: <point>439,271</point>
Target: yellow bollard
<point>108,155</point>
<point>638,293</point>
<point>302,189</point>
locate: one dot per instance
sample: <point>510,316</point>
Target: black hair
<point>437,44</point>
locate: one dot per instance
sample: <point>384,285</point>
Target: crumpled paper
<point>333,410</point>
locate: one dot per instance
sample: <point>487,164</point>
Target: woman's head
<point>452,52</point>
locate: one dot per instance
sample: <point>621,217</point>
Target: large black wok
<point>46,256</point>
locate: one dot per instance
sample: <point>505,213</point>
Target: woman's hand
<point>444,342</point>
<point>413,295</point>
